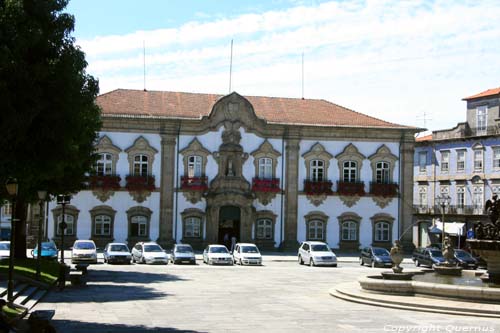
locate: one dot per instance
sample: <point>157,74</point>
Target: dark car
<point>427,257</point>
<point>375,256</point>
<point>466,260</point>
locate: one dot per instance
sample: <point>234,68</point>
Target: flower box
<point>105,182</point>
<point>316,187</point>
<point>194,183</point>
<point>140,183</point>
<point>348,188</point>
<point>266,185</point>
<point>384,189</point>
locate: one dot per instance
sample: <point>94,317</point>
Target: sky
<point>407,62</point>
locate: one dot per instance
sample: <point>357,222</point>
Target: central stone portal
<point>229,225</point>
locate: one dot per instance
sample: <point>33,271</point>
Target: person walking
<point>233,243</point>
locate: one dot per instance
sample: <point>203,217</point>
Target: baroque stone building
<point>196,168</point>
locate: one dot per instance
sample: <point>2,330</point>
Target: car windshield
<point>249,249</point>
<point>4,246</point>
<point>436,253</point>
<point>462,254</point>
<point>184,249</point>
<point>48,246</point>
<point>218,249</point>
<point>320,247</point>
<point>152,248</point>
<point>84,246</point>
<point>380,252</point>
<point>119,248</point>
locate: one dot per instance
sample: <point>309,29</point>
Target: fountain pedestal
<point>489,250</point>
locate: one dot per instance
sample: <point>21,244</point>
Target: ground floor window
<point>70,223</point>
<point>138,226</point>
<point>264,229</point>
<point>316,230</point>
<point>349,231</point>
<point>102,225</point>
<point>192,227</point>
<point>382,230</point>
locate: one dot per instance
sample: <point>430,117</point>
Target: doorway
<point>229,225</point>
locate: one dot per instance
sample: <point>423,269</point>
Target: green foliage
<point>48,116</point>
<point>49,270</point>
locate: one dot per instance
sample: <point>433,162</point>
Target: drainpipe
<point>176,182</point>
<point>282,184</point>
<point>401,187</point>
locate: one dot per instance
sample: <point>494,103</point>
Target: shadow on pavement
<point>103,293</point>
<point>85,327</point>
<point>129,277</point>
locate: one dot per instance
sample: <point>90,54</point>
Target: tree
<point>48,115</point>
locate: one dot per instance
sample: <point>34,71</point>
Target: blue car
<point>49,251</point>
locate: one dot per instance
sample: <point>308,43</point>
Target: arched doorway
<point>229,224</point>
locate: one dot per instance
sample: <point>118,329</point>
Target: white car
<point>217,254</point>
<point>4,250</point>
<point>116,253</point>
<point>247,254</point>
<point>149,253</point>
<point>84,251</point>
<point>316,254</point>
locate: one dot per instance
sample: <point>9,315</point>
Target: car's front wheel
<point>301,262</point>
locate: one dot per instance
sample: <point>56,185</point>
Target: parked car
<point>182,253</point>
<point>117,253</point>
<point>465,259</point>
<point>217,254</point>
<point>247,254</point>
<point>316,254</point>
<point>49,251</point>
<point>375,257</point>
<point>427,256</point>
<point>149,253</point>
<point>4,250</point>
<point>84,251</point>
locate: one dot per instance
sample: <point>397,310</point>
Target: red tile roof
<point>489,92</point>
<point>123,102</point>
<point>424,138</point>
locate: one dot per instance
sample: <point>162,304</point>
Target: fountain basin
<point>467,292</point>
<point>489,250</point>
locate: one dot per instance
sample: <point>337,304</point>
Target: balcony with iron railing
<point>140,182</point>
<point>266,185</point>
<point>104,182</point>
<point>351,188</point>
<point>318,187</point>
<point>194,183</point>
<point>449,210</point>
<point>384,189</point>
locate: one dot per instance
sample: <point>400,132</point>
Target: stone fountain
<point>450,266</point>
<point>397,270</point>
<point>487,241</point>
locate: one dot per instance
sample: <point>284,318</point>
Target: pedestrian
<point>233,243</point>
<point>226,239</point>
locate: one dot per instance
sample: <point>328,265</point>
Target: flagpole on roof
<point>231,66</point>
<point>302,75</point>
<point>144,61</point>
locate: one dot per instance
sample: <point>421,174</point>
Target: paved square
<point>280,296</point>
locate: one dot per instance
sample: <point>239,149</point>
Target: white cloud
<point>389,59</point>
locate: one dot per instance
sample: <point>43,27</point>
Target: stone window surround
<point>194,148</point>
<point>316,216</point>
<point>476,148</point>
<point>142,211</point>
<point>141,146</point>
<point>382,217</point>
<point>103,210</point>
<point>442,160</point>
<point>350,153</point>
<point>493,149</point>
<point>383,154</point>
<point>422,155</point>
<point>349,216</point>
<point>265,214</point>
<point>68,210</point>
<point>106,146</point>
<point>265,150</point>
<point>193,212</point>
<point>317,152</point>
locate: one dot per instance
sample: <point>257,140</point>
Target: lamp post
<point>63,200</point>
<point>41,196</point>
<point>12,187</point>
<point>443,200</point>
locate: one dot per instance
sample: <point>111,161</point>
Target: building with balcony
<point>463,163</point>
<point>196,168</point>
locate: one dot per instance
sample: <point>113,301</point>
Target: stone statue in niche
<point>230,171</point>
<point>231,133</point>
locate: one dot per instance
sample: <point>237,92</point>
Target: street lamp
<point>443,200</point>
<point>41,196</point>
<point>63,200</point>
<point>12,187</point>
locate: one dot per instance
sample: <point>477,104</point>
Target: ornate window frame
<point>99,211</point>
<point>141,146</point>
<point>478,163</point>
<point>349,217</point>
<point>193,213</point>
<point>383,154</point>
<point>195,148</point>
<point>138,211</point>
<point>311,219</point>
<point>350,154</point>
<point>106,146</point>
<point>265,150</point>
<point>68,210</point>
<point>382,218</point>
<point>317,152</point>
<point>266,243</point>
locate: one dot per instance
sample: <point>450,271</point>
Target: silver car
<point>117,253</point>
<point>149,253</point>
<point>316,254</point>
<point>182,254</point>
<point>217,254</point>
